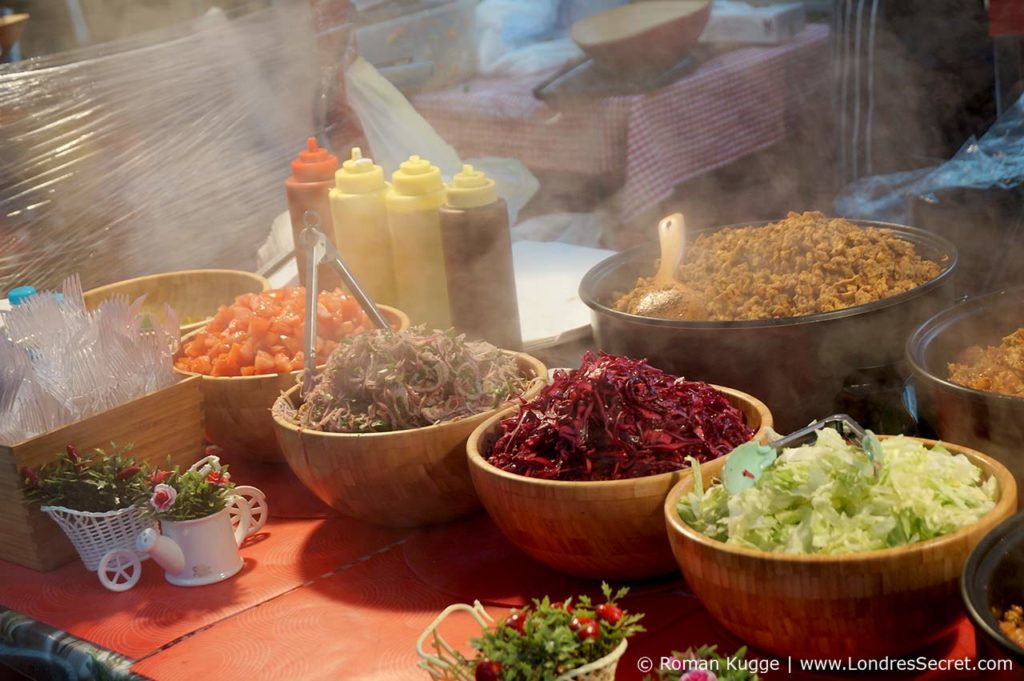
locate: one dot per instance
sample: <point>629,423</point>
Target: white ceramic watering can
<point>191,552</point>
<point>201,551</point>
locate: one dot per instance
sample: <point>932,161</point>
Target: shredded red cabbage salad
<point>616,418</point>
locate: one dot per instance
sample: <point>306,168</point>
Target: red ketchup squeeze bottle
<point>309,188</point>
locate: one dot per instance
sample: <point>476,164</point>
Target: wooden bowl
<point>642,37</point>
<point>405,478</point>
<point>194,294</point>
<point>604,530</point>
<point>237,408</point>
<point>864,605</point>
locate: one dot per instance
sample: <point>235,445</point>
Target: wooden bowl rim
<point>403,325</point>
<point>534,387</point>
<point>577,30</point>
<point>477,459</point>
<point>1005,504</point>
<point>179,273</point>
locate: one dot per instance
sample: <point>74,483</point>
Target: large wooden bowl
<point>237,408</point>
<point>604,530</point>
<point>863,605</point>
<point>642,37</point>
<point>405,478</point>
<point>194,294</point>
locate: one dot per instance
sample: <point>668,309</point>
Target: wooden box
<point>168,422</point>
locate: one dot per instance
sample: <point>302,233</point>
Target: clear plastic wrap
<point>995,160</point>
<point>160,152</point>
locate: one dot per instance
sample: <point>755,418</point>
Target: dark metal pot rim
<point>923,335</point>
<point>980,618</point>
<point>596,273</point>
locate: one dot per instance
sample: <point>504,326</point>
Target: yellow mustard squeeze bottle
<point>413,204</point>
<point>361,229</point>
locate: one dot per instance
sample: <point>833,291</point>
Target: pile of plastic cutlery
<point>60,363</point>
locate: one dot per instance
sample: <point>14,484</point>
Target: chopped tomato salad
<point>263,333</point>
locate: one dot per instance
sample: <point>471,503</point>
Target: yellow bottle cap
<point>417,177</point>
<point>471,189</point>
<point>359,175</point>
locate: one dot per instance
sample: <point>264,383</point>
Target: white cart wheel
<point>120,570</point>
<point>257,508</point>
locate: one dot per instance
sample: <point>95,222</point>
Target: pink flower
<point>163,497</point>
<point>698,675</point>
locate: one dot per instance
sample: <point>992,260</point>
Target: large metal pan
<point>796,365</point>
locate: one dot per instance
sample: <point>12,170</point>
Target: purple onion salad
<point>616,418</point>
<point>377,382</point>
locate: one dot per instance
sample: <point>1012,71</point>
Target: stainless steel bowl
<point>991,422</point>
<point>796,365</point>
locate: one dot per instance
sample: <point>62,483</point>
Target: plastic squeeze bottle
<point>361,226</point>
<point>308,187</point>
<point>478,261</point>
<point>413,204</point>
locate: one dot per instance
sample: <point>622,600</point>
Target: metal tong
<point>747,462</point>
<point>319,250</point>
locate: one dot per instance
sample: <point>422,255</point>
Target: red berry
<point>609,612</point>
<point>72,453</point>
<point>577,623</point>
<point>517,621</point>
<point>488,670</point>
<point>589,630</point>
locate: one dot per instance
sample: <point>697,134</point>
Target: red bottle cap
<point>315,164</point>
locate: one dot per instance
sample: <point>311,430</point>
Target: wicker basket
<point>598,670</point>
<point>441,664</point>
<point>94,534</point>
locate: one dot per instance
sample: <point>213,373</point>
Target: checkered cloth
<point>734,104</point>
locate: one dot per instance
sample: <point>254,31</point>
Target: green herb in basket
<point>95,482</point>
<point>546,640</point>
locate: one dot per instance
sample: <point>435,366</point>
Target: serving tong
<point>319,250</point>
<point>746,463</point>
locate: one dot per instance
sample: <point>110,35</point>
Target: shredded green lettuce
<point>824,498</point>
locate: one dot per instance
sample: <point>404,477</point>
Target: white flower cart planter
<point>120,567</point>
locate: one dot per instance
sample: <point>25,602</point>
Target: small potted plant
<point>93,497</point>
<point>548,641</point>
<point>203,520</point>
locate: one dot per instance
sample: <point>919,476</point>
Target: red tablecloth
<point>732,105</point>
<point>325,597</point>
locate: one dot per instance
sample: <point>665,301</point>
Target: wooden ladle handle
<point>671,235</point>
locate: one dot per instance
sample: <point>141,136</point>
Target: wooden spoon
<point>666,297</point>
<point>672,236</point>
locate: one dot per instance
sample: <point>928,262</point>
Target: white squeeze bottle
<point>414,203</point>
<point>361,226</point>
